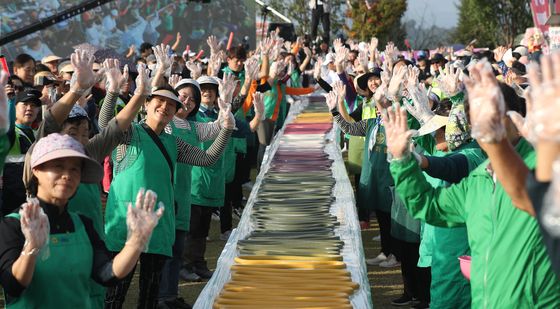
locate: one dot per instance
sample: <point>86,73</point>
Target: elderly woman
<point>48,254</point>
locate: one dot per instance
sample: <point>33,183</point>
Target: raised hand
<point>83,77</point>
<point>143,81</point>
<point>265,46</point>
<point>398,135</point>
<point>543,101</point>
<point>499,53</point>
<point>277,68</point>
<point>421,108</point>
<point>337,44</point>
<point>252,68</point>
<point>114,77</point>
<point>142,219</point>
<point>212,42</point>
<point>174,79</point>
<point>228,121</point>
<point>363,60</point>
<point>164,60</point>
<point>373,44</point>
<point>195,68</point>
<point>34,226</point>
<point>395,85</point>
<point>4,107</point>
<point>215,63</point>
<point>412,76</point>
<point>486,104</point>
<point>317,69</point>
<point>339,88</point>
<point>449,80</point>
<point>258,103</point>
<point>227,87</point>
<point>331,100</point>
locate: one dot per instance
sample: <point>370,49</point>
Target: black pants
<point>265,132</point>
<point>151,266</point>
<point>319,14</point>
<point>195,246</point>
<point>387,241</point>
<point>416,280</point>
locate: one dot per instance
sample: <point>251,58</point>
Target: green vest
<point>375,179</point>
<point>4,149</point>
<point>87,202</point>
<point>183,177</point>
<point>63,279</point>
<point>15,154</point>
<point>143,166</point>
<point>208,182</point>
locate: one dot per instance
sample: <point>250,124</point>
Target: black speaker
<point>287,30</point>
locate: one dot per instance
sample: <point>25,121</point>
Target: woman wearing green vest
<point>4,120</point>
<point>510,267</point>
<point>185,127</point>
<point>49,254</point>
<point>21,137</point>
<point>147,158</point>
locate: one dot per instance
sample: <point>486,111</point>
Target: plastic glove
<point>337,44</point>
<point>228,120</point>
<point>143,81</point>
<point>83,78</point>
<point>258,103</point>
<point>276,69</point>
<point>174,79</point>
<point>317,68</point>
<point>449,80</point>
<point>142,219</point>
<point>4,107</point>
<point>363,60</point>
<point>195,68</point>
<point>486,104</point>
<point>34,226</point>
<point>412,76</point>
<point>215,63</point>
<point>212,42</point>
<point>331,100</point>
<point>339,88</point>
<point>113,75</point>
<point>395,85</point>
<point>164,60</point>
<point>252,68</point>
<point>551,207</point>
<point>543,100</point>
<point>227,87</point>
<point>341,56</point>
<point>421,108</point>
<point>373,45</point>
<point>398,136</point>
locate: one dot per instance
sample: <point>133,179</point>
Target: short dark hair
<point>237,52</point>
<point>21,60</point>
<point>39,67</point>
<point>145,46</point>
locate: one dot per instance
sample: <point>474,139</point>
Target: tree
<point>492,22</point>
<point>383,21</point>
<point>300,14</point>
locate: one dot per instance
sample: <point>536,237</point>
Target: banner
<point>541,12</point>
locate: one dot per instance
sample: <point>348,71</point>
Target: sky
<point>442,13</point>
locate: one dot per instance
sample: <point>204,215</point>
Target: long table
<point>308,131</point>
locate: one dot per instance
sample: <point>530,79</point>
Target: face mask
<point>152,67</point>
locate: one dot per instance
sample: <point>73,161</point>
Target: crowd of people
<point>105,165</point>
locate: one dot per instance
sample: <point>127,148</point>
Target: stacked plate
<point>292,259</point>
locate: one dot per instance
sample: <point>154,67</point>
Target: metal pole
<point>275,12</point>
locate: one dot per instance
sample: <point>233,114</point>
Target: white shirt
<point>325,3</point>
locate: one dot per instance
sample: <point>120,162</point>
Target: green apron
<point>143,166</point>
<point>208,183</point>
<point>183,178</point>
<point>375,180</point>
<point>63,279</point>
<point>403,226</point>
<point>356,143</point>
<point>87,202</point>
